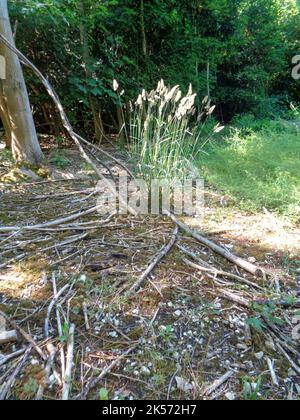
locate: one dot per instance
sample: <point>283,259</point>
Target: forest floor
<point>180,332</point>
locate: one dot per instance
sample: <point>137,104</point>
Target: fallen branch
<point>51,306</point>
<point>55,222</point>
<point>9,384</point>
<point>67,379</point>
<point>8,337</point>
<point>217,272</point>
<point>52,353</point>
<point>225,294</point>
<point>6,359</point>
<point>156,260</point>
<point>295,367</point>
<point>26,336</point>
<point>272,372</point>
<point>66,123</point>
<point>240,262</point>
<point>218,383</point>
<point>59,328</point>
<point>94,382</point>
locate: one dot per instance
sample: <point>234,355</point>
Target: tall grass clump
<point>162,139</point>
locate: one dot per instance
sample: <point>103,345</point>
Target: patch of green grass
<point>6,156</point>
<point>257,168</point>
<point>60,161</point>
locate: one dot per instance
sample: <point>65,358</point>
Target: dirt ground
<point>184,329</point>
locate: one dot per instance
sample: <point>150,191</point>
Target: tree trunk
<point>95,108</point>
<point>15,109</point>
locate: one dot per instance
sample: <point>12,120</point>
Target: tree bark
<point>15,109</point>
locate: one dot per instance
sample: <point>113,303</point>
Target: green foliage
<point>264,313</point>
<point>60,161</point>
<point>30,387</point>
<point>257,168</point>
<point>103,394</point>
<point>251,390</point>
<point>5,156</point>
<point>247,44</point>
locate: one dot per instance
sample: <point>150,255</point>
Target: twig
<point>8,385</point>
<point>94,382</point>
<point>295,367</point>
<point>67,379</point>
<point>66,123</point>
<point>11,356</point>
<point>156,260</point>
<point>52,304</point>
<point>218,383</point>
<point>217,272</point>
<point>86,317</point>
<point>59,328</point>
<point>26,336</point>
<point>272,372</point>
<point>240,262</point>
<point>52,223</point>
<point>52,352</point>
<point>231,297</point>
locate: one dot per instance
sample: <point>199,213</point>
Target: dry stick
<point>218,383</point>
<point>59,328</point>
<point>26,336</point>
<point>69,241</point>
<point>240,262</point>
<point>86,317</point>
<point>8,337</point>
<point>52,304</point>
<point>156,260</point>
<point>222,273</point>
<point>67,379</point>
<point>225,294</point>
<point>61,195</point>
<point>105,371</point>
<point>55,222</point>
<point>52,353</point>
<point>272,372</point>
<point>11,356</point>
<point>295,367</point>
<point>8,385</point>
<point>66,123</point>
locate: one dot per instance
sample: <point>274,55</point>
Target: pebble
<point>260,355</point>
<point>145,371</point>
<point>178,313</point>
<point>230,396</point>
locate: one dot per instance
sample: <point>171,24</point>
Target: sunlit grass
<point>257,169</point>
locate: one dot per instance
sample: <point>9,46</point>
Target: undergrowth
<point>258,166</point>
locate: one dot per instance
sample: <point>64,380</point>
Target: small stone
<point>145,371</point>
<point>177,313</point>
<point>113,334</point>
<point>260,355</point>
<point>183,385</point>
<point>252,260</point>
<point>230,396</point>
